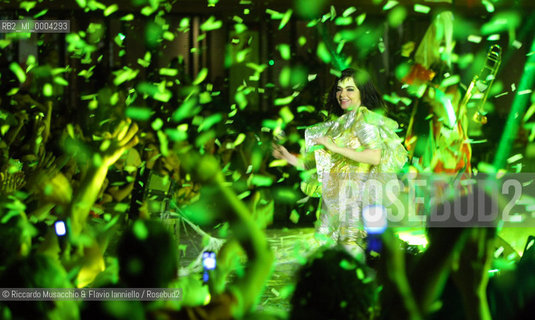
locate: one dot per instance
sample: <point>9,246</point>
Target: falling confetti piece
<point>126,74</point>
<point>421,8</point>
<point>474,38</point>
<point>389,5</point>
<point>17,70</point>
<point>47,90</point>
<point>450,81</point>
<point>275,15</point>
<point>283,101</point>
<point>284,50</point>
<point>323,53</point>
<point>285,19</point>
<point>494,37</point>
<point>111,9</point>
<point>157,124</point>
<point>343,21</point>
<point>349,11</point>
<point>210,121</point>
<point>305,109</point>
<point>27,5</point>
<point>286,115</point>
<point>128,17</point>
<point>40,14</point>
<point>211,24</point>
<point>187,109</point>
<point>138,113</point>
<point>515,158</point>
<point>168,72</point>
<point>360,19</point>
<point>201,76</point>
<point>294,217</point>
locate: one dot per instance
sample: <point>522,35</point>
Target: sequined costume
<point>346,185</point>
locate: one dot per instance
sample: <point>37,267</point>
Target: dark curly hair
<point>370,97</point>
<point>328,287</point>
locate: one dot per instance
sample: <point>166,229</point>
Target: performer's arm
<point>369,156</point>
<point>281,152</point>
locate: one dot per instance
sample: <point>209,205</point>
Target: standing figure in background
<point>356,156</point>
<point>442,146</point>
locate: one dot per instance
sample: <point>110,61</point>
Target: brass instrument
<point>480,86</point>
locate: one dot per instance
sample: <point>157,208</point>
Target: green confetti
<point>158,93</point>
<point>184,25</point>
<point>285,19</point>
<point>260,180</point>
<point>285,76</point>
<point>493,37</point>
<point>147,11</point>
<point>146,59</point>
<point>284,50</point>
<point>169,36</point>
<point>360,19</point>
<point>140,230</point>
<point>275,15</point>
<point>349,11</point>
<point>389,5</point>
<point>360,274</point>
<point>347,265</point>
<point>210,121</point>
<point>283,101</point>
<point>40,14</point>
<point>205,97</point>
<point>323,53</point>
<point>61,81</point>
<point>187,109</point>
<point>343,21</point>
<point>211,24</point>
<point>111,9</point>
<point>27,5</point>
<point>168,72</point>
<point>4,43</point>
<point>240,28</point>
<point>421,8</point>
<point>47,90</point>
<point>164,149</point>
<point>272,124</point>
<point>278,163</point>
<point>515,158</point>
<point>397,16</point>
<point>241,55</point>
<point>203,138</point>
<point>305,109</point>
<point>488,5</point>
<point>201,76</point>
<point>239,139</point>
<point>176,135</point>
<point>241,100</point>
<point>294,217</point>
<point>126,74</point>
<point>450,81</point>
<point>286,115</point>
<point>139,113</point>
<point>17,70</point>
<point>157,124</point>
<point>128,17</point>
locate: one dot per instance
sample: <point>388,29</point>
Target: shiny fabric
<point>348,186</point>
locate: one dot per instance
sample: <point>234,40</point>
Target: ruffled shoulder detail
<point>394,155</point>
